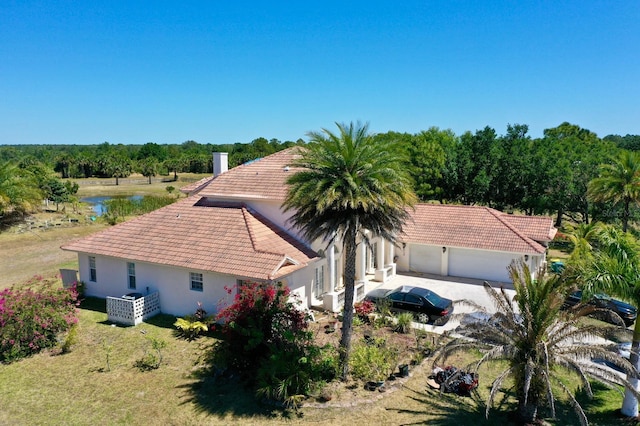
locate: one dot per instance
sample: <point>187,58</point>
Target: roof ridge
<point>300,245</point>
<point>252,235</point>
<point>499,215</point>
<point>248,212</point>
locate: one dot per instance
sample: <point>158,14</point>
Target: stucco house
<point>231,229</point>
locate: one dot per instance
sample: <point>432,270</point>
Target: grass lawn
<point>82,388</point>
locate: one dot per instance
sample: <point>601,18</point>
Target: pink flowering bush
<point>32,316</point>
<point>260,317</point>
<point>266,339</point>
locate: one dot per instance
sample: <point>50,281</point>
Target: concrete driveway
<point>452,288</point>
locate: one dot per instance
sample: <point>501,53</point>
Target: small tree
<point>148,168</point>
<point>56,191</point>
<point>538,340</point>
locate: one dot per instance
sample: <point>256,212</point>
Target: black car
<point>627,312</point>
<point>423,303</point>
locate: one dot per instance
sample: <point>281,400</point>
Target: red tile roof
<point>476,227</point>
<point>194,187</point>
<point>538,228</point>
<point>202,235</point>
<point>264,178</point>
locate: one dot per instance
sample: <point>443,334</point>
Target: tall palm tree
<point>537,340</point>
<point>613,267</point>
<point>349,184</point>
<point>619,183</point>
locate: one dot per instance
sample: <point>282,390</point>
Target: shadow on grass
<point>602,409</point>
<point>162,321</point>
<point>97,304</point>
<point>226,394</point>
<point>94,304</point>
<point>449,409</point>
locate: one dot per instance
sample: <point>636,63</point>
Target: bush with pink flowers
<point>266,339</point>
<point>32,317</point>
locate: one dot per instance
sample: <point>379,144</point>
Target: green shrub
<point>373,361</point>
<point>403,322</point>
<point>189,327</point>
<point>121,207</point>
<point>152,357</point>
<point>357,321</point>
<point>383,306</point>
<point>266,339</point>
<point>381,321</point>
<point>70,339</point>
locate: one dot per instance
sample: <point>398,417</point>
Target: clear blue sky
<point>132,72</point>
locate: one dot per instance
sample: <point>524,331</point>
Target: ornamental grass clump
<point>32,317</point>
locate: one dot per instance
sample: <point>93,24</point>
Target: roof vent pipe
<point>220,163</point>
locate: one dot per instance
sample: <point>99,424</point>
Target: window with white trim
<point>93,276</point>
<point>196,281</point>
<point>131,274</point>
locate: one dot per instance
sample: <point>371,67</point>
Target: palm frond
<point>574,404</point>
<point>495,387</point>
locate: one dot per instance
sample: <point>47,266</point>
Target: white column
<point>361,263</point>
<point>331,264</point>
<point>380,254</point>
<point>390,253</point>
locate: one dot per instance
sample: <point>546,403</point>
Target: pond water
<point>97,203</point>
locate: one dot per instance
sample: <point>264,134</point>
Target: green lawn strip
<point>75,388</point>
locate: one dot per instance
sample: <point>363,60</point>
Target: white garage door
<point>425,259</point>
<point>480,264</point>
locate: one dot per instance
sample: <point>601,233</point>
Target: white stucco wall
<point>462,262</point>
<point>173,284</point>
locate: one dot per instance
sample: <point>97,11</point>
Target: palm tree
<point>537,340</point>
<point>148,167</point>
<point>613,267</point>
<point>349,184</point>
<point>619,183</point>
<point>582,237</point>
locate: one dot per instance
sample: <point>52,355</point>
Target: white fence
<point>133,311</point>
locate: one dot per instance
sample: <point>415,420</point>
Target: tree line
<point>509,172</point>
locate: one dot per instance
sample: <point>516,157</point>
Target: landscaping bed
<point>413,347</point>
